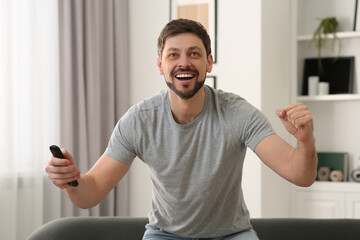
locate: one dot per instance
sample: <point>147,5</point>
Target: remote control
<point>56,152</point>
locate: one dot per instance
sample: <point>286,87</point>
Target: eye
<point>194,54</point>
<point>172,55</point>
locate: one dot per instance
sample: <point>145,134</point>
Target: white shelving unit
<point>334,97</point>
<point>349,45</point>
<point>340,35</point>
<point>336,117</point>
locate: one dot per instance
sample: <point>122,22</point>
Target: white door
<point>353,205</point>
<point>309,204</point>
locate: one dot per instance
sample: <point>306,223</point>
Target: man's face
<point>184,64</point>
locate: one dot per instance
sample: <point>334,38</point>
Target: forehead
<point>183,41</point>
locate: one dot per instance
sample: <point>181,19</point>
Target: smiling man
<point>179,62</point>
<point>184,62</point>
<point>193,139</point>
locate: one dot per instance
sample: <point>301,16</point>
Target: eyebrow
<point>174,49</point>
<point>195,48</point>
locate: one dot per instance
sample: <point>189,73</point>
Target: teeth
<point>185,75</point>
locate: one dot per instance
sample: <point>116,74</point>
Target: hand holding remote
<point>56,152</point>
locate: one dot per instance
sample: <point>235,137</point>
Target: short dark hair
<point>181,25</point>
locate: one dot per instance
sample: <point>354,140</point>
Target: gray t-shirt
<point>196,169</point>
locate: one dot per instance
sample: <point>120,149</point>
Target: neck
<point>186,110</point>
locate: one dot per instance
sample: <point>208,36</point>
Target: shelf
<point>340,35</point>
<point>334,97</point>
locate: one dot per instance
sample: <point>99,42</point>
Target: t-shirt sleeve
<point>120,146</point>
<point>258,127</point>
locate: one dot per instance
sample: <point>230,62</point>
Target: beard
<point>190,92</point>
<point>186,94</point>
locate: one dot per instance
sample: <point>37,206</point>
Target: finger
<point>292,106</point>
<point>299,108</point>
<point>65,176</point>
<point>59,161</point>
<point>297,112</point>
<point>63,183</point>
<point>60,169</point>
<point>303,121</point>
<point>295,116</point>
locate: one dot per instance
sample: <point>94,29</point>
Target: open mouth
<point>184,76</point>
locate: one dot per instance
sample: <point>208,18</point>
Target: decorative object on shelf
<point>323,88</point>
<point>336,176</point>
<point>355,175</point>
<point>313,82</point>
<point>211,81</point>
<point>339,74</point>
<point>203,11</point>
<point>327,26</point>
<point>357,16</point>
<point>336,161</point>
<point>324,173</point>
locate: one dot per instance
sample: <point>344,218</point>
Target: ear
<point>210,62</point>
<point>159,65</point>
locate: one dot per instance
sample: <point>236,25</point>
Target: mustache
<point>185,70</point>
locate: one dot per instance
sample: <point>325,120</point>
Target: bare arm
<point>297,165</point>
<point>93,186</point>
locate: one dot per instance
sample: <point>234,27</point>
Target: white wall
<point>238,69</point>
<point>275,94</point>
<point>147,18</point>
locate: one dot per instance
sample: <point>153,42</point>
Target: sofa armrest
<point>309,229</point>
<point>91,228</point>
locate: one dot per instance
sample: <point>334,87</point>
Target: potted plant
<point>327,26</point>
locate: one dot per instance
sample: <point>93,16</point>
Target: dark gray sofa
<point>120,228</point>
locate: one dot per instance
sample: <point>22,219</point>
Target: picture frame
<point>211,81</point>
<point>203,11</point>
<point>357,16</point>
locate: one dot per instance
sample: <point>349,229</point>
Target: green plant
<point>327,26</point>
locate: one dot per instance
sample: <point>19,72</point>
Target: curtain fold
<point>93,88</point>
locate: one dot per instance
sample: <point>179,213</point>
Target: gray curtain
<point>94,76</point>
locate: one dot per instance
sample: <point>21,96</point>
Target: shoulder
<point>231,103</point>
<point>143,112</point>
<point>146,110</point>
<point>141,116</point>
<point>241,117</point>
<point>149,105</point>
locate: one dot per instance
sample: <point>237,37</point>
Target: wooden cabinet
<point>319,205</point>
<point>327,200</point>
<point>353,205</point>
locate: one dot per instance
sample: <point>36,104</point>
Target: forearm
<point>86,194</point>
<point>93,186</point>
<point>304,163</point>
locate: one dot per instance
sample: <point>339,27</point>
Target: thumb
<point>281,113</point>
<point>68,156</point>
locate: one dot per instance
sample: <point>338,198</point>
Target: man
<point>193,139</point>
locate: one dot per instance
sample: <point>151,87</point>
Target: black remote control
<point>56,152</point>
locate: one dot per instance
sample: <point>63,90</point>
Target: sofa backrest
<point>117,228</point>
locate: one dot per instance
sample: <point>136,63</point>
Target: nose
<point>184,62</point>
